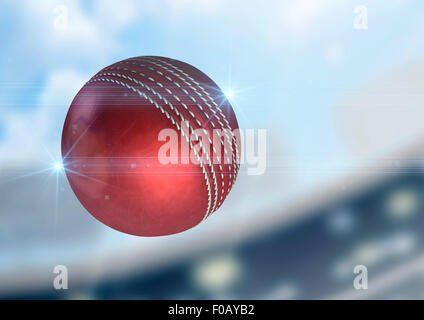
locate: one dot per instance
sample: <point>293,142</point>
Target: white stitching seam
<point>200,107</point>
<point>175,109</point>
<point>236,163</point>
<point>147,97</point>
<point>191,113</point>
<point>200,87</point>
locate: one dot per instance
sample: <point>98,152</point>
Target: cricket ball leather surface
<point>110,146</point>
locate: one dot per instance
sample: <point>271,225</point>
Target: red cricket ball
<point>151,146</point>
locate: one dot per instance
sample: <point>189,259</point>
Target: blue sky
<point>290,63</point>
<point>331,97</point>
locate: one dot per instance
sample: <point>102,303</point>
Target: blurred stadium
<point>344,184</point>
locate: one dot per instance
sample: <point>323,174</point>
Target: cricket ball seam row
<point>146,96</point>
<point>232,177</point>
<point>178,113</point>
<point>206,93</point>
<point>180,76</point>
<point>236,165</point>
<point>191,113</point>
<point>233,168</point>
<point>209,119</point>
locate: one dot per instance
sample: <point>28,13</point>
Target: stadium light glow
<point>228,94</point>
<point>58,166</point>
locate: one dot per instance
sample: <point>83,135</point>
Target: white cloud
<point>182,7</point>
<point>62,38</point>
<point>334,54</point>
<point>115,16</point>
<point>31,136</point>
<point>80,36</point>
<point>299,15</point>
